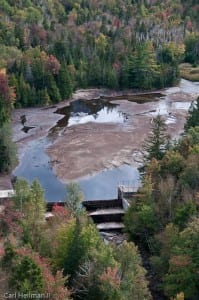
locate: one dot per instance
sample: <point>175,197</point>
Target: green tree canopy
<point>193,115</point>
<point>156,144</point>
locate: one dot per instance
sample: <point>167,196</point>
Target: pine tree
<point>157,141</point>
<point>64,82</point>
<point>25,94</point>
<point>124,76</point>
<point>43,97</point>
<point>74,199</point>
<point>52,88</point>
<point>111,78</point>
<point>132,71</point>
<point>95,72</point>
<point>8,157</point>
<point>27,277</point>
<point>193,116</point>
<point>3,111</point>
<point>143,68</point>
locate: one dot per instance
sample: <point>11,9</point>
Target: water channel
<point>35,163</point>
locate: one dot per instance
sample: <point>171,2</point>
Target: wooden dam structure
<point>107,214</point>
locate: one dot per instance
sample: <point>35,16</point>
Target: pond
<point>35,163</point>
<point>83,111</point>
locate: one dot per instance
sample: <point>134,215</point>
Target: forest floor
<point>85,149</point>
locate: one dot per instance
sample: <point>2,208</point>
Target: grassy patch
<point>188,72</point>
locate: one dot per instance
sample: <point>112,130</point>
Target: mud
<point>88,148</point>
<point>84,149</point>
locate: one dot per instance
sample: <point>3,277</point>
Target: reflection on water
<point>35,165</point>
<point>102,110</point>
<point>98,110</point>
<point>84,111</point>
<point>170,120</point>
<point>104,185</point>
<point>165,108</point>
<point>35,162</point>
<point>181,105</point>
<point>189,87</point>
<point>103,116</point>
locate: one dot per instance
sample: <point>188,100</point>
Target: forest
<point>65,256</point>
<point>48,49</point>
<point>163,219</point>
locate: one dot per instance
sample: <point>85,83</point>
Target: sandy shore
<point>85,149</point>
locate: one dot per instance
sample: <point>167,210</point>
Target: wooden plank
<point>109,211</point>
<point>110,226</point>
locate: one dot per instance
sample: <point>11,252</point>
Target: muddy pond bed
<point>94,141</point>
<point>36,164</point>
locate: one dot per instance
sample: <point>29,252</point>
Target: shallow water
<point>35,162</point>
<point>83,111</point>
<point>105,115</point>
<point>35,165</point>
<point>181,105</point>
<point>103,185</point>
<point>164,107</point>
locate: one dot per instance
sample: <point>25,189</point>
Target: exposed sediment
<point>85,149</point>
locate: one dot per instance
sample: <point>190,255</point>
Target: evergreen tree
<point>43,97</point>
<point>29,199</point>
<point>141,220</point>
<point>8,158</point>
<point>74,199</point>
<point>124,75</point>
<point>52,88</point>
<point>191,48</point>
<point>25,93</point>
<point>71,249</point>
<point>132,72</point>
<point>157,142</point>
<point>4,116</point>
<point>82,75</point>
<point>37,73</point>
<point>111,78</point>
<point>143,68</point>
<point>182,275</point>
<point>95,72</point>
<point>64,83</point>
<point>193,115</point>
<point>27,277</point>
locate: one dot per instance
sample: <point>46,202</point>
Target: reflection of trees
<point>110,109</point>
<point>90,107</point>
<point>96,116</point>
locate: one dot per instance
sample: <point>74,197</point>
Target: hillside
<point>49,48</point>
